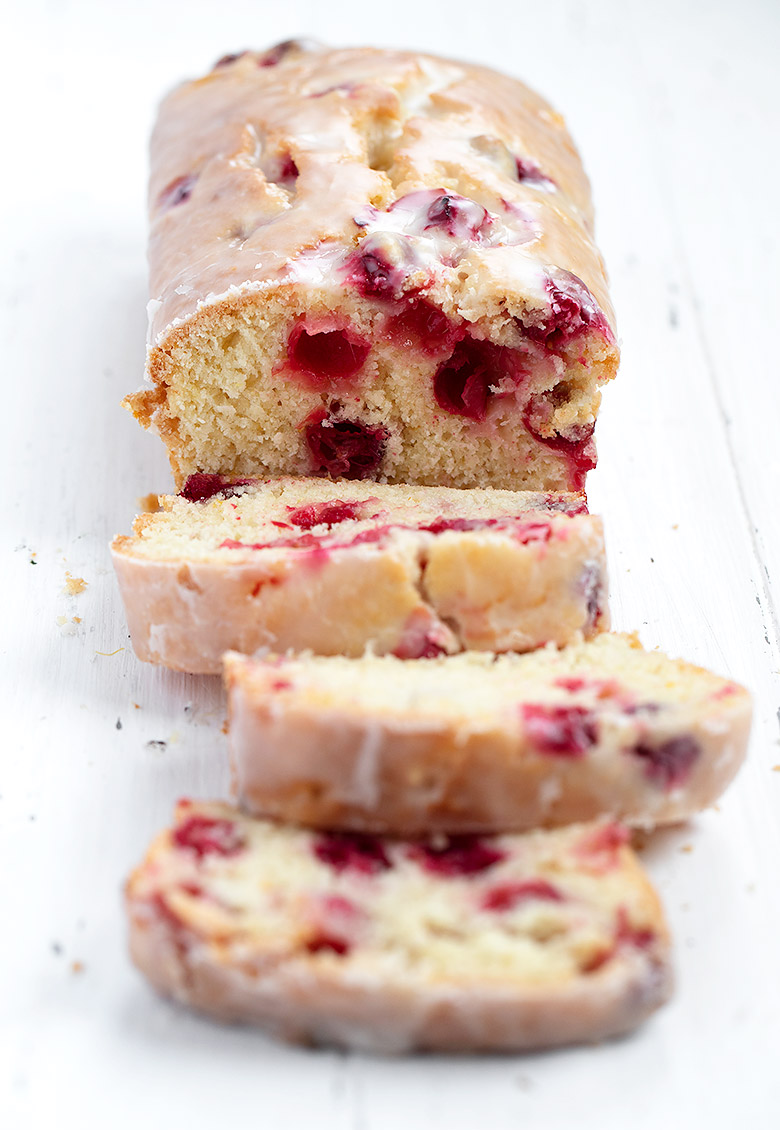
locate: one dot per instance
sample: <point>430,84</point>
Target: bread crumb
<point>225,726</point>
<point>77,967</point>
<point>73,585</point>
<point>137,705</point>
<point>149,503</point>
<point>62,620</point>
<point>776,768</point>
<point>687,847</point>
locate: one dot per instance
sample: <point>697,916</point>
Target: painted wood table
<point>675,107</point>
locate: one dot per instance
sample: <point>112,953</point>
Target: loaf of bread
<point>466,944</point>
<point>478,743</point>
<point>372,264</point>
<point>339,567</point>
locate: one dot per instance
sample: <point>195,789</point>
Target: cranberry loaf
<point>479,743</point>
<point>467,944</point>
<point>372,264</point>
<point>336,568</point>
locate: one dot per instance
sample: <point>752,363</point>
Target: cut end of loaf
<point>231,396</point>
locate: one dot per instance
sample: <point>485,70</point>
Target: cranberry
<point>226,60</point>
<point>205,835</point>
<point>274,55</point>
<point>632,935</point>
<point>578,448</point>
<point>506,896</point>
<point>344,449</point>
<point>371,272</point>
<point>281,169</point>
<point>458,216</point>
<point>726,691</point>
<point>177,191</point>
<point>423,637</point>
<point>321,940</point>
<point>462,855</point>
<point>352,852</point>
<point>420,646</point>
<point>422,325</point>
<point>562,731</point>
<point>464,382</point>
<point>601,847</point>
<point>443,525</point>
<point>592,584</point>
<point>572,311</point>
<point>335,921</point>
<point>324,514</point>
<point>326,356</point>
<point>599,688</point>
<point>530,173</point>
<point>564,321</point>
<point>200,487</point>
<point>670,763</point>
<point>429,649</point>
<point>298,541</point>
<point>526,532</point>
<point>373,535</point>
<point>571,683</point>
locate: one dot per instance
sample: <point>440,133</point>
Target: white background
<point>675,107</point>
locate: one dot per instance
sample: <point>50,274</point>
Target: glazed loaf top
<point>271,168</point>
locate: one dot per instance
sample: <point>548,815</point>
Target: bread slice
<point>372,264</point>
<point>467,944</point>
<point>479,743</point>
<point>339,567</point>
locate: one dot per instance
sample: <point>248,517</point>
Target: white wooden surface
<point>675,106</point>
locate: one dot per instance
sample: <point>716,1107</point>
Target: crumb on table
<point>73,585</point>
